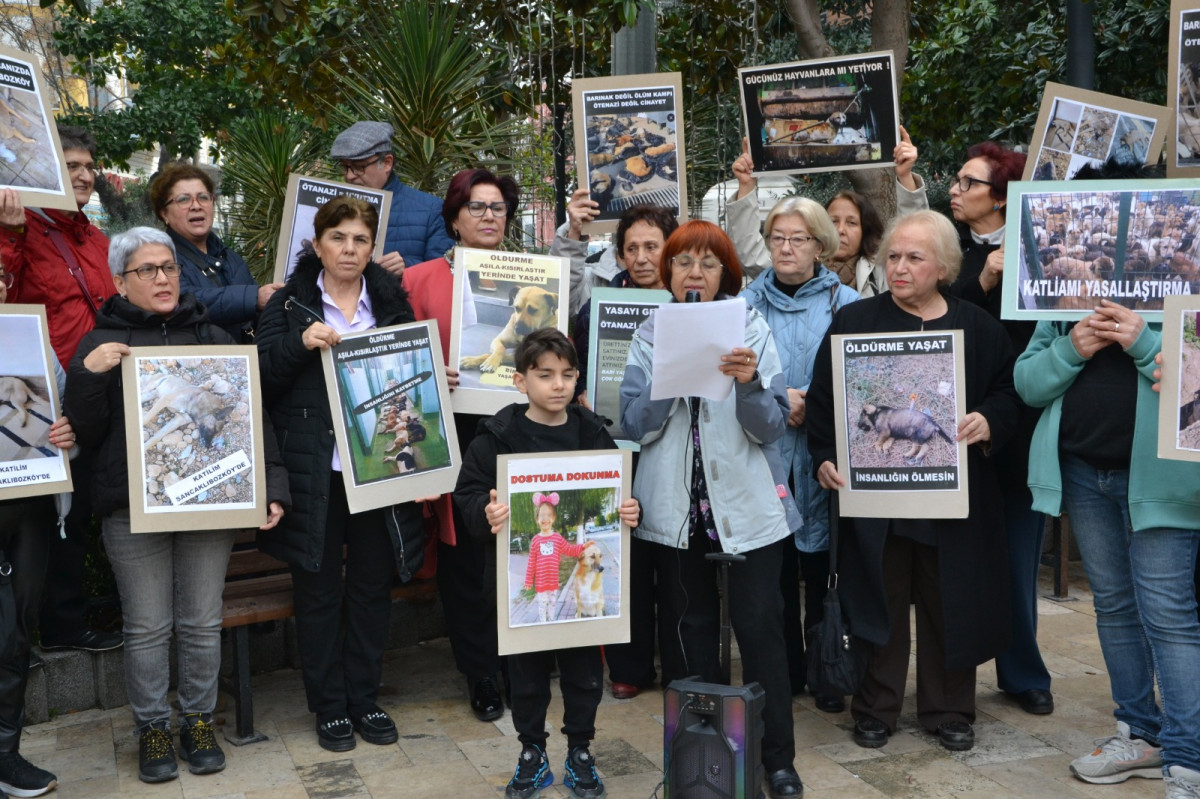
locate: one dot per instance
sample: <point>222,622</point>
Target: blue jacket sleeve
<point>227,305</point>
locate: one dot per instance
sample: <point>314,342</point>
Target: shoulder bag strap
<point>833,538</point>
<point>64,249</point>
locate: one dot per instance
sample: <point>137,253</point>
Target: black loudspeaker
<point>713,740</point>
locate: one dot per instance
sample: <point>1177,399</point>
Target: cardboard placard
<point>304,198</point>
<point>1183,88</point>
<point>392,420</point>
<point>31,156</point>
<point>1179,394</point>
<point>562,574</point>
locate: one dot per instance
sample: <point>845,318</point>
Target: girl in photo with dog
<point>546,551</point>
<point>547,368</point>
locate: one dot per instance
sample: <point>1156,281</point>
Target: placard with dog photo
<point>562,561</point>
<point>1179,395</point>
<point>304,198</point>
<point>31,157</point>
<point>823,115</point>
<point>193,433</point>
<point>1068,245</point>
<point>897,402</point>
<point>1183,86</point>
<point>514,294</point>
<point>29,404</point>
<point>629,143</point>
<point>1076,127</point>
<point>393,427</point>
<point>615,317</point>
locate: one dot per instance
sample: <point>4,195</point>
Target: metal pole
<point>635,50</point>
<point>1081,45</point>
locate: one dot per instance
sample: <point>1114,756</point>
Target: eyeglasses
<point>361,167</point>
<point>7,279</point>
<point>965,183</point>
<point>75,166</point>
<point>185,200</point>
<point>476,208</point>
<point>776,241</point>
<point>684,263</point>
<point>150,271</point>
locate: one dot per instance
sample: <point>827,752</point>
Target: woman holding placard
<point>167,581</point>
<point>947,566</point>
<point>711,480</point>
<point>478,212</point>
<point>979,203</point>
<point>798,297</point>
<point>341,619</point>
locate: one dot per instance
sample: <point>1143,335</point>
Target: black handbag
<point>406,527</point>
<point>837,661</point>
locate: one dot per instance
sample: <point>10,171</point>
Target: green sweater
<point>1162,493</point>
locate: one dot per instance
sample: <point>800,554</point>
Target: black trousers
<point>633,663</point>
<point>807,572</point>
<point>581,679</point>
<point>910,576</point>
<point>466,580</point>
<point>26,527</point>
<point>689,608</point>
<point>64,605</point>
<point>342,621</point>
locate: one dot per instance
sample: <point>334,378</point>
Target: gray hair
<point>71,137</point>
<point>815,218</point>
<point>943,240</point>
<point>124,245</point>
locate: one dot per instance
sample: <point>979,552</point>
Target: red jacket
<point>43,277</point>
<point>430,287</point>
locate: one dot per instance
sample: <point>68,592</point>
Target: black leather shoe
<point>375,726</point>
<point>870,733</point>
<point>486,701</point>
<point>957,736</point>
<point>335,733</point>
<point>1036,701</point>
<point>785,782</point>
<point>88,641</point>
<point>829,703</point>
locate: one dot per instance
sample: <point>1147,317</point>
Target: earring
<point>996,207</point>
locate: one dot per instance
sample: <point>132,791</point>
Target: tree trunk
<point>889,31</point>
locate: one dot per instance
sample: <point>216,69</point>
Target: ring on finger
<point>747,359</point>
<point>1116,327</point>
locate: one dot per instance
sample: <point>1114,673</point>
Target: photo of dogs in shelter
<point>196,413</point>
<point>1080,133</point>
<point>632,159</point>
<point>506,311</point>
<point>405,433</point>
<point>1187,106</point>
<point>1188,436</point>
<point>564,561</point>
<point>901,410</point>
<point>26,412</point>
<point>1131,247</point>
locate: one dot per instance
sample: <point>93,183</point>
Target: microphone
<point>692,296</point>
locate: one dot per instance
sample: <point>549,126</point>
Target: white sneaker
<point>1182,783</point>
<point>1118,758</point>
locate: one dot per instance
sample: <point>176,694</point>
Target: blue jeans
<point>169,581</point>
<point>1150,630</point>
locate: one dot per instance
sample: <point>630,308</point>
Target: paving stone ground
<point>444,751</point>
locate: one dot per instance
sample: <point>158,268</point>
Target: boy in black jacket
<point>547,368</point>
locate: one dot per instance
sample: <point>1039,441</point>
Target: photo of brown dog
<point>533,309</point>
<point>589,583</point>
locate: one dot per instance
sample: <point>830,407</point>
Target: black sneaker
<point>581,776</point>
<point>532,774</point>
<point>19,777</point>
<point>486,702</point>
<point>198,745</point>
<point>156,756</point>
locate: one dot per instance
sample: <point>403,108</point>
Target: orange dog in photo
<point>533,309</point>
<point>589,587</point>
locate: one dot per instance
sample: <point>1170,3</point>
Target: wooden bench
<point>258,588</point>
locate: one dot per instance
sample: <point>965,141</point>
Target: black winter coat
<point>93,401</point>
<point>294,392</point>
<point>498,436</point>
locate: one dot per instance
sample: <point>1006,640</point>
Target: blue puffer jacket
<point>220,280</point>
<point>798,324</point>
<point>415,226</point>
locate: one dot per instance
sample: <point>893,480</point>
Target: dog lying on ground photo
<point>17,393</point>
<point>589,586</point>
<point>890,424</point>
<point>197,404</point>
<point>533,309</point>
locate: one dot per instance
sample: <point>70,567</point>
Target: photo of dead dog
<point>195,411</point>
<point>901,410</point>
<point>564,555</point>
<point>25,418</point>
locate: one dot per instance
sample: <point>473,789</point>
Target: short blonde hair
<point>943,238</point>
<point>815,218</point>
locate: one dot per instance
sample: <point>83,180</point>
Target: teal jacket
<point>1162,493</point>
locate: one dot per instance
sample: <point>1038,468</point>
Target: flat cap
<point>362,140</point>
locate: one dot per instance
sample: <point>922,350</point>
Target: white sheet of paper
<point>689,340</point>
